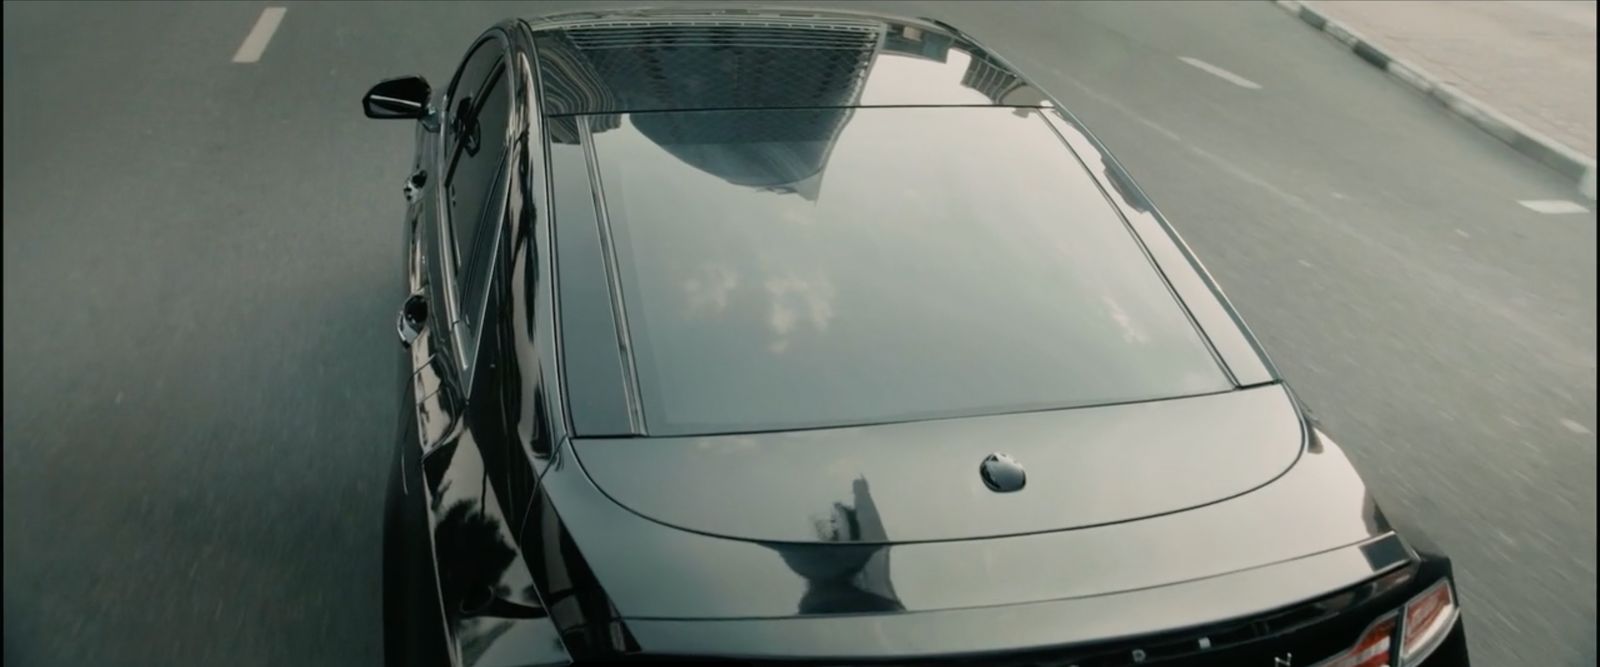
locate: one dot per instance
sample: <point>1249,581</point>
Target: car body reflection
<point>845,578</point>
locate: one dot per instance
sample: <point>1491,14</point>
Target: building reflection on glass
<point>911,41</point>
<point>782,92</point>
<point>998,83</point>
<point>774,150</point>
<point>842,577</point>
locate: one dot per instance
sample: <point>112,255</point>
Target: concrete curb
<point>1554,154</point>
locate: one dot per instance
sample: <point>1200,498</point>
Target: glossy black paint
<point>1087,467</point>
<point>1317,506</point>
<point>400,97</point>
<point>511,543</point>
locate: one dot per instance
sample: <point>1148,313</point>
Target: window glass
<point>483,59</point>
<point>819,267</point>
<point>476,143</point>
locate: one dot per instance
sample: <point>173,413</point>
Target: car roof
<point>661,60</point>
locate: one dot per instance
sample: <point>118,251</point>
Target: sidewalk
<point>1532,61</point>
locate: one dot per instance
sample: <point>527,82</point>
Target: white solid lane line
<point>1553,206</point>
<point>256,42</point>
<point>1220,73</point>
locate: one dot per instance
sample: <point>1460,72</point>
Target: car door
<point>485,596</point>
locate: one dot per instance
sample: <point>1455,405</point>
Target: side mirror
<point>403,97</point>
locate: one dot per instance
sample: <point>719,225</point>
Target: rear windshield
<point>820,267</point>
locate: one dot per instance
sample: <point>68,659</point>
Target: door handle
<point>413,316</point>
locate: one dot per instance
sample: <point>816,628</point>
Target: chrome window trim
<point>459,332</point>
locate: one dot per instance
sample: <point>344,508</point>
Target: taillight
<point>1371,650</point>
<point>1428,619</point>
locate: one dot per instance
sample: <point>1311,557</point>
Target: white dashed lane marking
<point>1575,427</point>
<point>1220,73</point>
<point>255,43</point>
<point>1553,206</point>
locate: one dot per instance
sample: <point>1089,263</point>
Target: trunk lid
<point>921,481</point>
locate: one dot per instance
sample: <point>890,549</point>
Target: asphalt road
<point>202,262</point>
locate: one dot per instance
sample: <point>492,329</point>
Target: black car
<point>782,336</point>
